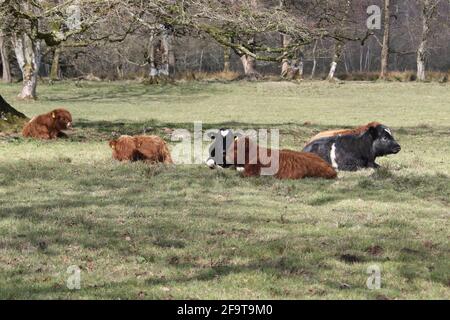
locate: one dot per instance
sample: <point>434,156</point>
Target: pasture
<point>187,232</point>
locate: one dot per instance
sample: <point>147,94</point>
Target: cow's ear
<point>373,132</point>
<point>211,135</point>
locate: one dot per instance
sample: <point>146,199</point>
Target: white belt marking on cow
<point>210,163</point>
<point>333,156</point>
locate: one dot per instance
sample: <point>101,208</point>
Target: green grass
<point>154,232</point>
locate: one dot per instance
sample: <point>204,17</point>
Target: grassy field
<point>152,232</point>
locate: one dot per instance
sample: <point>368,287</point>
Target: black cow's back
<point>321,147</point>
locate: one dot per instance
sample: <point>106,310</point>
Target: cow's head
<point>383,141</point>
<point>62,119</point>
<point>222,139</point>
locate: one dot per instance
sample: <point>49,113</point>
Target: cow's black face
<point>217,151</point>
<point>384,142</point>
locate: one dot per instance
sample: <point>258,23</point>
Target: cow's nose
<point>397,148</point>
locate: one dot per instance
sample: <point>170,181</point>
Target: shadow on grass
<point>172,212</point>
<point>104,130</point>
<point>104,92</point>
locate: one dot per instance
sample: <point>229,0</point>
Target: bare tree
<point>313,70</point>
<point>428,13</point>
<point>6,76</point>
<point>28,55</point>
<point>34,22</point>
<point>338,49</point>
<point>273,31</point>
<point>290,68</point>
<point>54,71</point>
<point>386,36</point>
<point>226,59</point>
<point>339,42</point>
<point>159,55</point>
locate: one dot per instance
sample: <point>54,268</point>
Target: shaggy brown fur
<point>147,148</point>
<point>292,164</point>
<point>49,125</point>
<point>342,132</point>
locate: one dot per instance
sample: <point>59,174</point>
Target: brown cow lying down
<point>291,164</point>
<point>146,148</point>
<point>342,132</point>
<point>49,125</point>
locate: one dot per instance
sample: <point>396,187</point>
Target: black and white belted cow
<point>353,152</point>
<point>222,139</point>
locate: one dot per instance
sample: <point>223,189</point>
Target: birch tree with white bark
<point>6,72</point>
<point>28,55</point>
<point>428,10</point>
<point>33,22</point>
<point>386,39</point>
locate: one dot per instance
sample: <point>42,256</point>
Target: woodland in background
<point>160,40</point>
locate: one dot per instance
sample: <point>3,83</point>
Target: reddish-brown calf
<point>146,148</point>
<point>49,125</point>
<point>291,164</point>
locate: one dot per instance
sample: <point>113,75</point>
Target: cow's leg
<point>352,164</point>
<point>251,170</point>
<point>46,135</point>
<point>61,134</point>
<point>375,165</point>
<point>53,134</point>
<point>371,164</point>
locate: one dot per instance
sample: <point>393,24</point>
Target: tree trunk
<point>386,35</point>
<point>344,57</point>
<point>152,60</point>
<point>427,14</point>
<point>165,48</point>
<point>300,68</point>
<point>285,63</point>
<point>11,120</point>
<point>249,64</point>
<point>28,54</point>
<point>367,63</point>
<point>6,77</point>
<point>200,65</point>
<point>160,58</point>
<point>172,61</point>
<point>313,71</point>
<point>361,58</point>
<point>336,57</point>
<point>226,59</point>
<point>6,109</point>
<point>421,61</point>
<point>290,68</point>
<point>54,71</point>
